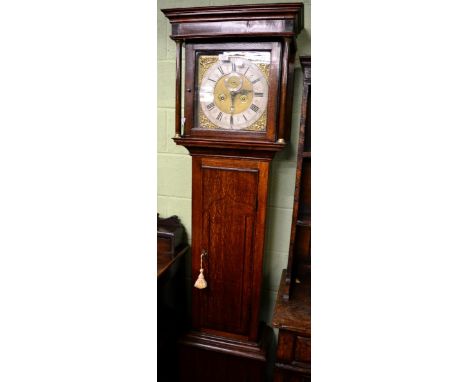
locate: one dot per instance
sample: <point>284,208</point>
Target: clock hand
<point>244,91</point>
<point>233,96</point>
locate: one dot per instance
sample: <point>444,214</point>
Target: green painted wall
<point>174,163</point>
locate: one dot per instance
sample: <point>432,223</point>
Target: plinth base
<point>207,358</point>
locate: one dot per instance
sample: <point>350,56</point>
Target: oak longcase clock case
<point>237,100</point>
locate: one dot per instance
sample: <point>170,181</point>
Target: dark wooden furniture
<point>292,310</point>
<point>239,66</point>
<point>292,317</point>
<point>172,249</point>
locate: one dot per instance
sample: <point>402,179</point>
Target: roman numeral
<point>220,69</point>
<point>210,106</point>
<point>258,94</point>
<point>233,66</point>
<point>254,107</point>
<point>209,79</point>
<point>231,120</point>
<point>254,81</point>
<point>245,117</point>
<point>220,116</point>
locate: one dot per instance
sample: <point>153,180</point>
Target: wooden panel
<point>302,350</point>
<point>294,314</point>
<point>301,266</point>
<point>206,357</point>
<point>261,27</point>
<point>299,246</point>
<point>307,137</point>
<point>304,198</point>
<point>171,303</point>
<point>164,245</point>
<point>285,19</point>
<point>285,352</point>
<point>292,317</point>
<point>229,205</point>
<point>206,366</point>
<point>292,357</point>
<point>290,376</point>
<point>228,191</point>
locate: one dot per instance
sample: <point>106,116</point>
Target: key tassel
<point>201,282</point>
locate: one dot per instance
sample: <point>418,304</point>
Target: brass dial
<point>234,94</point>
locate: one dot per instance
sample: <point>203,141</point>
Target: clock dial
<point>233,92</point>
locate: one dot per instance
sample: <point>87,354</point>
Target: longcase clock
<point>237,98</point>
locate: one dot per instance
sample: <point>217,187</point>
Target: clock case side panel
<point>249,269</point>
<point>300,236</point>
<point>192,51</point>
<point>289,49</point>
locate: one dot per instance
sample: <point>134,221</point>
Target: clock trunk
<point>229,198</point>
